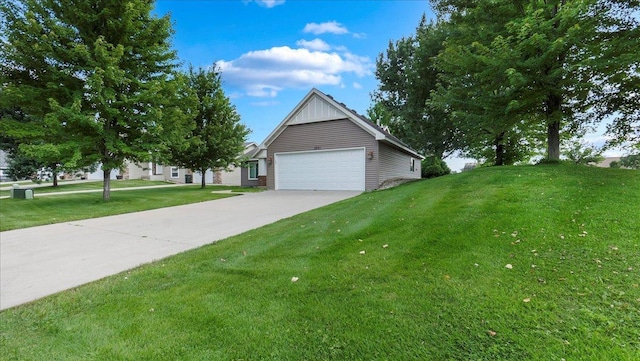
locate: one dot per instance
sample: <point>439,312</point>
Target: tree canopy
<point>510,74</point>
<point>217,136</point>
<point>96,79</point>
<point>407,76</point>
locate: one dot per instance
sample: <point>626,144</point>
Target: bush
<point>434,167</point>
<point>631,161</point>
<point>583,153</point>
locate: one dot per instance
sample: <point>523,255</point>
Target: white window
<point>412,165</point>
<point>253,170</point>
<point>174,172</point>
<point>158,169</point>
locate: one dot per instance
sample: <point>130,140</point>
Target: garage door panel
<point>342,169</point>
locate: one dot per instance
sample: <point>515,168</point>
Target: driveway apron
<point>40,261</point>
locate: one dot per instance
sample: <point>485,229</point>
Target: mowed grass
<point>86,185</point>
<point>413,273</point>
<point>20,213</point>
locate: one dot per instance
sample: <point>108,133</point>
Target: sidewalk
<point>5,186</point>
<point>36,194</point>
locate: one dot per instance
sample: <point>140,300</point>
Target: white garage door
<point>342,169</point>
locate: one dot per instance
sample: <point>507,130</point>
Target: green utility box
<point>20,193</point>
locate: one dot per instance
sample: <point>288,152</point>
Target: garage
<point>341,169</point>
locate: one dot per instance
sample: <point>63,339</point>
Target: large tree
<point>95,76</point>
<point>407,76</point>
<point>217,137</point>
<point>557,64</point>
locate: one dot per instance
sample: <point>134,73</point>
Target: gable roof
<point>318,107</point>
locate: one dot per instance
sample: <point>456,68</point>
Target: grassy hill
<point>507,263</point>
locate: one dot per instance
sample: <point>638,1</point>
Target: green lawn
<point>418,272</point>
<point>20,213</point>
<point>91,185</point>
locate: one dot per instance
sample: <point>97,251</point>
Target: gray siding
<point>396,164</point>
<point>244,179</point>
<point>326,135</point>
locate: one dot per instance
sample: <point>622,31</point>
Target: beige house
<point>160,172</point>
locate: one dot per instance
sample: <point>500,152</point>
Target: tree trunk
<point>553,141</point>
<point>106,185</point>
<point>499,143</point>
<point>203,181</point>
<point>54,174</point>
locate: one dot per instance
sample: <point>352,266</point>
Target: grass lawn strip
<point>20,213</point>
<point>86,186</point>
<point>504,263</point>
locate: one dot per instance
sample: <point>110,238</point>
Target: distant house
<point>160,172</point>
<point>4,165</point>
<point>469,166</point>
<point>606,163</point>
<point>323,145</point>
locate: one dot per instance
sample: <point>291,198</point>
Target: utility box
<point>20,193</point>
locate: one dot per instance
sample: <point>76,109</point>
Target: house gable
<point>316,109</point>
<point>319,107</point>
<point>322,144</point>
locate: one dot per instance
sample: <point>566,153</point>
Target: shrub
<point>434,167</point>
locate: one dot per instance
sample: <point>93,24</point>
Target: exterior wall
<point>197,177</point>
<point>99,174</point>
<point>4,166</point>
<point>166,172</point>
<point>245,181</point>
<point>137,171</point>
<point>316,110</point>
<point>326,135</point>
<point>232,178</point>
<point>396,164</point>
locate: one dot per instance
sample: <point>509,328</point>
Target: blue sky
<point>272,52</point>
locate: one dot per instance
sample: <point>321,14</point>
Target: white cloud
<point>315,44</point>
<point>265,103</point>
<point>357,85</point>
<point>268,3</point>
<point>360,35</point>
<point>263,73</point>
<point>332,27</point>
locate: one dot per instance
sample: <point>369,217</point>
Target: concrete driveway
<point>40,261</point>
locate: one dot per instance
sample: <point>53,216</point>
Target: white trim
<point>177,172</point>
<point>378,135</point>
<point>364,160</point>
<point>249,170</point>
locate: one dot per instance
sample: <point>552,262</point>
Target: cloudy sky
<point>272,52</point>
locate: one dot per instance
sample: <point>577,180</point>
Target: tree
<point>631,161</point>
<point>96,78</point>
<point>217,136</point>
<point>407,76</point>
<point>582,153</point>
<point>520,65</point>
<point>434,167</point>
<point>21,167</point>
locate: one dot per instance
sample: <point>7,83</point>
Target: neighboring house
<point>323,145</point>
<point>469,166</point>
<point>4,165</point>
<point>229,177</point>
<point>99,174</point>
<point>606,163</point>
<point>159,172</point>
